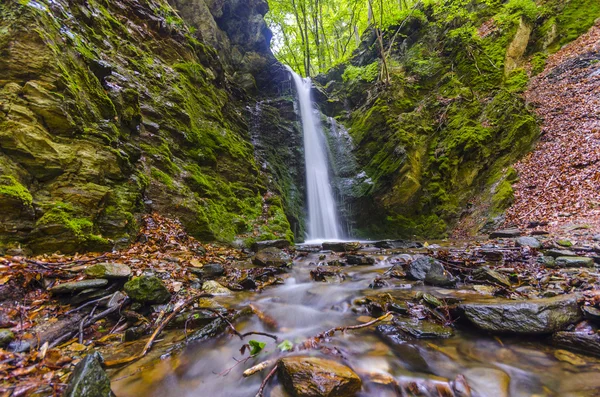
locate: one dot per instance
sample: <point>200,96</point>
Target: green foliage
<point>285,346</point>
<point>366,73</point>
<point>538,63</point>
<point>525,8</point>
<point>10,186</point>
<point>256,346</point>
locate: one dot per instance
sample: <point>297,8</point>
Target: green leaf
<point>285,346</point>
<point>256,346</point>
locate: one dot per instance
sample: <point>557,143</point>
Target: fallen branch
<point>257,368</point>
<point>236,332</point>
<point>156,332</point>
<point>65,263</point>
<point>266,380</point>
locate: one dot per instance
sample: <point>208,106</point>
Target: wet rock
<point>536,316</point>
<point>487,274</point>
<point>556,253</point>
<point>574,261</point>
<point>360,260</point>
<point>397,244</point>
<point>214,288</point>
<point>108,270</point>
<point>427,269</point>
<point>261,245</point>
<point>418,268</point>
<point>89,379</point>
<point>342,246</point>
<point>530,242</point>
<point>6,336</point>
<point>506,233</point>
<point>582,342</point>
<point>591,313</point>
<point>317,377</point>
<point>547,261</point>
<point>76,286</point>
<point>564,243</point>
<point>19,346</point>
<point>147,289</point>
<point>211,270</point>
<point>423,329</point>
<point>488,382</point>
<point>271,257</point>
<point>492,255</point>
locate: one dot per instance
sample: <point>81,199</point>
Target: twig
<point>236,332</point>
<point>74,262</point>
<point>266,380</point>
<point>257,368</point>
<point>156,332</point>
<point>88,303</point>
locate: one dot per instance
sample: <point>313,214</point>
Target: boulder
<point>423,329</point>
<point>582,342</point>
<point>109,270</point>
<point>6,336</point>
<point>487,274</point>
<point>211,270</point>
<point>317,377</point>
<point>147,289</point>
<point>89,379</point>
<point>506,233</point>
<point>271,257</point>
<point>574,261</point>
<point>214,288</point>
<point>427,269</point>
<point>530,242</point>
<point>418,268</point>
<point>536,316</point>
<point>76,286</point>
<point>342,246</point>
<point>397,244</point>
<point>261,245</point>
<point>360,260</point>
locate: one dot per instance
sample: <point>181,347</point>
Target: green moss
<point>502,198</point>
<point>538,63</point>
<point>162,177</point>
<point>10,187</point>
<point>517,81</point>
<point>365,73</point>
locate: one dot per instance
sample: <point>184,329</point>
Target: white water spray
<point>322,209</point>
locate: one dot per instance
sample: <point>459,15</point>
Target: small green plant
<point>364,73</point>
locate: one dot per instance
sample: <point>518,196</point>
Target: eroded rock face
<point>535,316</point>
<point>317,377</point>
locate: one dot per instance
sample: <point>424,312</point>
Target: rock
<point>427,269</point>
<point>547,261</point>
<point>582,342</point>
<point>261,245</point>
<point>591,313</point>
<point>116,299</point>
<point>397,244</point>
<point>487,274</point>
<point>530,242</point>
<point>564,243</point>
<point>109,270</point>
<point>596,237</point>
<point>76,286</point>
<point>488,382</point>
<point>423,329</point>
<point>211,270</point>
<point>214,288</point>
<point>19,346</point>
<point>6,336</point>
<point>506,233</point>
<point>536,316</point>
<point>317,377</point>
<point>89,379</point>
<point>492,255</point>
<point>341,246</point>
<point>574,261</point>
<point>271,257</point>
<point>360,260</point>
<point>556,253</point>
<point>147,289</point>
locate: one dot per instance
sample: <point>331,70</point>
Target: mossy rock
<point>147,289</point>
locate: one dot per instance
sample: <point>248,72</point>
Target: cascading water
<point>322,210</point>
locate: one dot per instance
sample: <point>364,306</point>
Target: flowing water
<point>303,308</point>
<point>322,210</point>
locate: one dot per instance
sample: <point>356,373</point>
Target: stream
<point>493,366</point>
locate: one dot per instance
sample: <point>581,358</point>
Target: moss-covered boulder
<point>108,270</point>
<point>147,289</point>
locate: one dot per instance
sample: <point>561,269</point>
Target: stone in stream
<point>89,379</point>
<point>535,316</point>
<point>574,261</point>
<point>261,245</point>
<point>210,270</point>
<point>341,246</point>
<point>486,274</point>
<point>582,342</point>
<point>506,233</point>
<point>530,242</point>
<point>76,286</point>
<point>147,289</point>
<point>317,377</point>
<point>271,257</point>
<point>423,329</point>
<point>397,244</point>
<point>360,260</point>
<point>108,270</point>
<point>438,276</point>
<point>214,288</point>
<point>6,336</point>
<point>488,382</point>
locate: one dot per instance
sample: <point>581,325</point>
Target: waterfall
<point>322,209</point>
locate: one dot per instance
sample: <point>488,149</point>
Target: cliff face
<point>110,109</point>
<point>439,140</point>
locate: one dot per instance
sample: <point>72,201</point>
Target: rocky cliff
<point>439,139</point>
<point>111,109</point>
